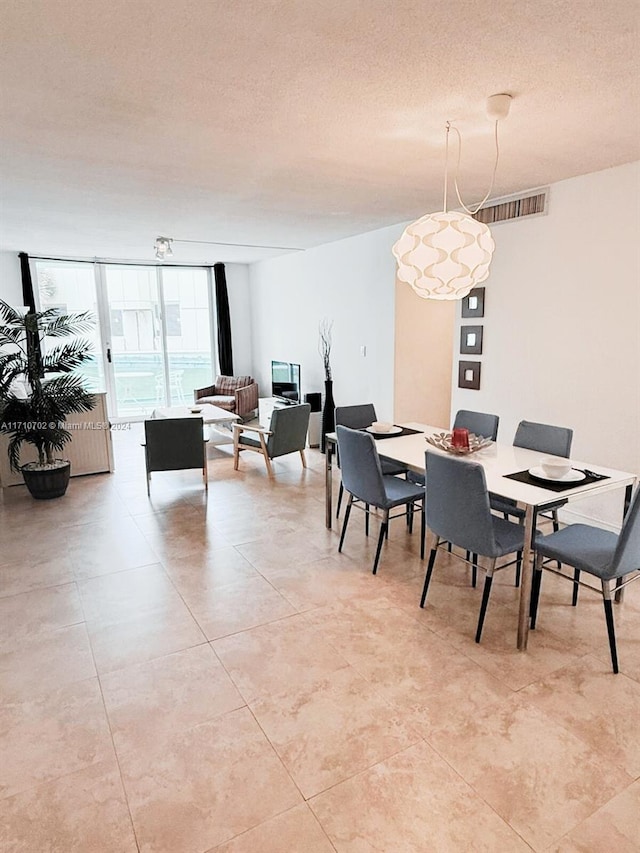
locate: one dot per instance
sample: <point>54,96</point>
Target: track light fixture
<point>163,248</point>
<point>163,245</point>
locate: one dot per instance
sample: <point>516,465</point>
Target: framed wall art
<point>471,340</point>
<point>473,303</point>
<point>469,375</point>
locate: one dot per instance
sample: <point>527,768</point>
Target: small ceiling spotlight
<point>163,248</point>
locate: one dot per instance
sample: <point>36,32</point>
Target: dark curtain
<point>225,349</point>
<point>27,285</point>
<point>29,300</point>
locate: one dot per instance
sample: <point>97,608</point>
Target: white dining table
<point>498,460</point>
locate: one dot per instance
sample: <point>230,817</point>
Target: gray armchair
<point>288,434</point>
<point>175,444</point>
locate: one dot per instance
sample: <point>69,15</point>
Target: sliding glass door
<point>188,313</point>
<point>135,340</point>
<point>153,343</point>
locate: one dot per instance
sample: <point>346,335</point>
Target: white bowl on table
<point>555,468</point>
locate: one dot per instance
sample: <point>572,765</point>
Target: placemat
<point>525,477</point>
<point>405,431</point>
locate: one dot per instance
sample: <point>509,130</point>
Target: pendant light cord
<point>455,177</point>
<point>446,168</point>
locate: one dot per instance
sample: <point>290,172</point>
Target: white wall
<point>10,280</point>
<point>352,282</point>
<point>240,310</point>
<point>562,320</point>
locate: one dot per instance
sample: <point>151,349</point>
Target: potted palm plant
<point>39,389</point>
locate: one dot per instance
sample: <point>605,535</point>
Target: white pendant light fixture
<point>444,255</point>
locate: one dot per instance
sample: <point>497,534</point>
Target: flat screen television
<point>285,381</point>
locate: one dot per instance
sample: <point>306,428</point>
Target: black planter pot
<point>328,413</point>
<point>49,483</point>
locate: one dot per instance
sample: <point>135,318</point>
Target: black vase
<point>328,413</point>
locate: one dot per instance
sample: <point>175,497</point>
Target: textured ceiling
<point>296,122</point>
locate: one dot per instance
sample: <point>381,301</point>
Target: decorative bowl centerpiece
<point>442,440</point>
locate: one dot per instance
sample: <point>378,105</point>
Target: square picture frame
<point>469,375</point>
<point>471,340</point>
<point>473,303</point>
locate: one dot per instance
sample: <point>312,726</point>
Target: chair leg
<point>146,465</point>
<point>474,569</point>
<point>340,494</point>
<point>347,513</point>
<point>619,594</point>
<point>449,547</point>
<point>427,577</point>
<point>384,527</point>
<point>265,453</point>
<point>556,527</point>
<point>236,449</point>
<point>423,529</point>
<point>366,519</point>
<point>576,588</point>
<point>410,517</point>
<point>518,568</point>
<point>304,461</point>
<point>536,583</point>
<point>485,599</point>
<point>608,612</point>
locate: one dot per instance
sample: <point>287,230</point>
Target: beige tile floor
<point>194,673</point>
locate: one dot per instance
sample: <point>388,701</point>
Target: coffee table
<point>212,416</point>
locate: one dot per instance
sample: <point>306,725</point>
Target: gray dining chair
<point>545,438</point>
<point>174,444</point>
<point>479,423</point>
<point>360,417</point>
<point>601,553</point>
<point>369,487</point>
<point>458,511</point>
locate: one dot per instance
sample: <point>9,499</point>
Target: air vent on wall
<point>514,207</point>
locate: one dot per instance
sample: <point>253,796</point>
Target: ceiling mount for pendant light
<point>444,255</point>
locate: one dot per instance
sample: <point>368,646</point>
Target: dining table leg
<point>619,594</point>
<point>527,577</point>
<point>328,478</point>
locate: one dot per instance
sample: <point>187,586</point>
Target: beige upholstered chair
<point>238,394</point>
